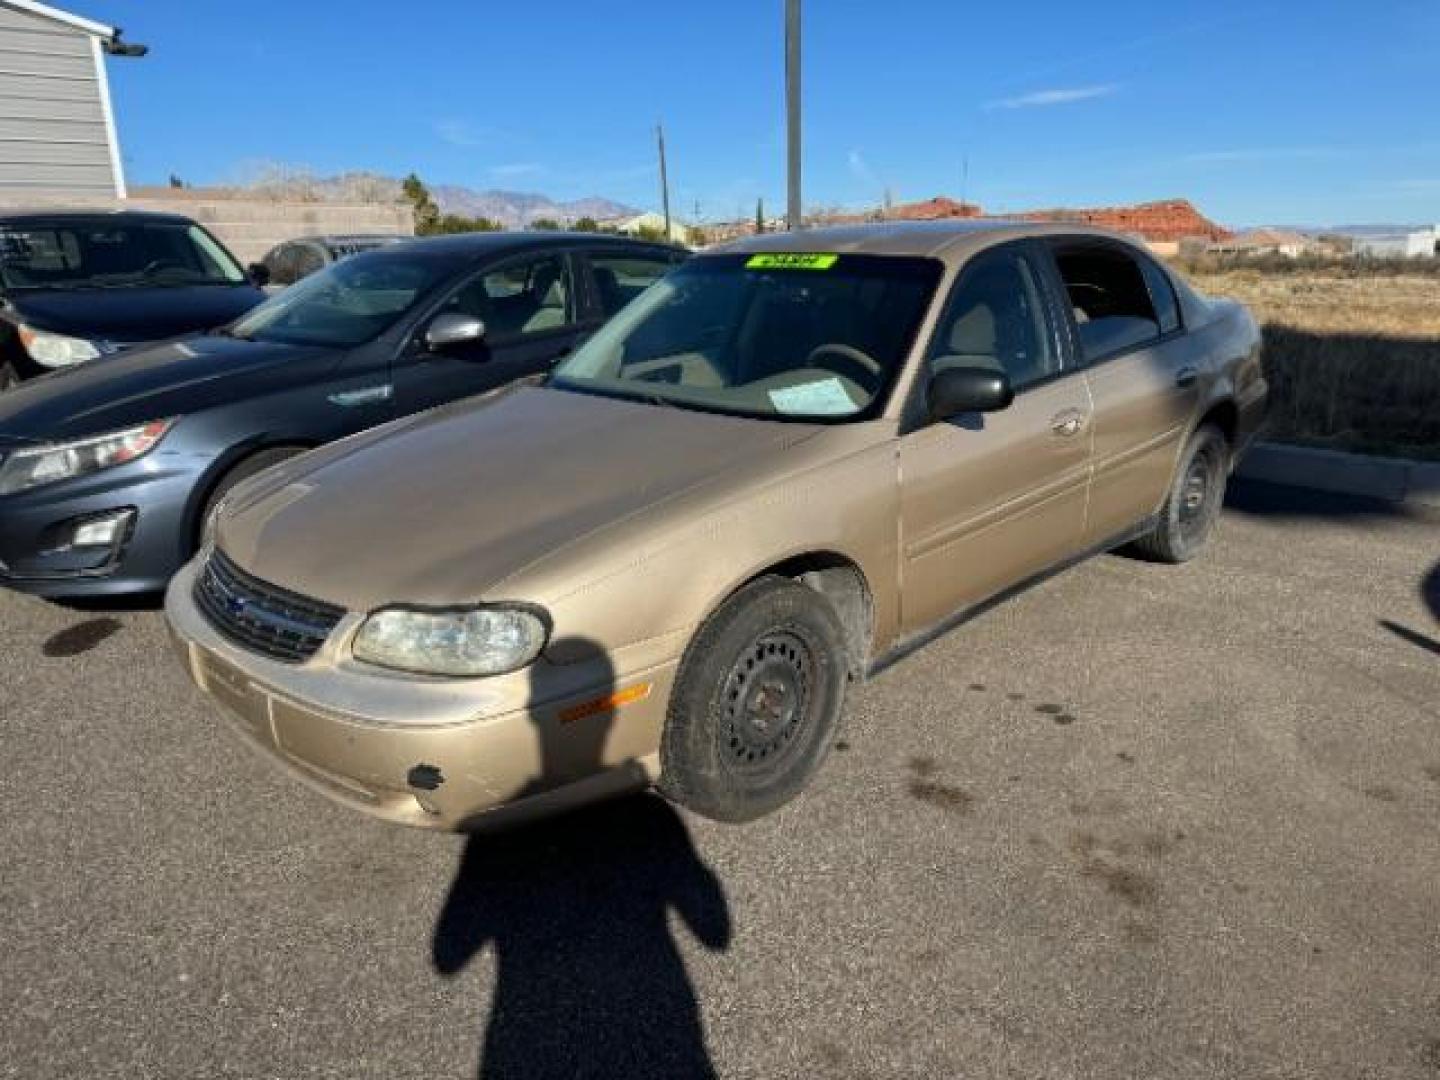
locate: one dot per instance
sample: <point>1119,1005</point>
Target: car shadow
<point>589,979</point>
<point>151,601</point>
<point>1259,498</point>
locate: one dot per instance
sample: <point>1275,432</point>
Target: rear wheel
<point>1193,503</point>
<point>756,704</point>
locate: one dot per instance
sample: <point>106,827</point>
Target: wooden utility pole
<point>664,179</point>
<point>792,109</point>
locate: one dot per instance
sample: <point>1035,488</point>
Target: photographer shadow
<point>589,980</point>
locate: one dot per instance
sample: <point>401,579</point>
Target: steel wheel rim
<point>767,698</point>
<point>1197,493</point>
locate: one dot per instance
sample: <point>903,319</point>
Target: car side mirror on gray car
<point>452,328</point>
<point>968,389</point>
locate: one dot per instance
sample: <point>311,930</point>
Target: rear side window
<point>1110,298</point>
<point>1162,295</point>
<point>621,278</point>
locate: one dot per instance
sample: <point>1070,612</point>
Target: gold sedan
<point>774,471</point>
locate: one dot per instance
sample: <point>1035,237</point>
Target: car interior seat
<point>612,296</point>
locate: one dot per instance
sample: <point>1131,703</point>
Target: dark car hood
<point>133,315</point>
<point>154,383</point>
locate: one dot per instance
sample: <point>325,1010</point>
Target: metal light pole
<point>794,210</point>
<point>664,180</point>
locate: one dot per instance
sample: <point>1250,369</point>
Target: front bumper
<point>152,494</point>
<point>432,753</point>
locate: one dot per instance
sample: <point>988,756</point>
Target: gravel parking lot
<point>1139,822</point>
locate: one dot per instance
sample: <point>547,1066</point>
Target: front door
<point>528,306</point>
<point>988,500</point>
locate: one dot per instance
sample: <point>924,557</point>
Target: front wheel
<point>1192,506</point>
<point>756,703</point>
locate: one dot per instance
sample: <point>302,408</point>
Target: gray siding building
<point>57,128</point>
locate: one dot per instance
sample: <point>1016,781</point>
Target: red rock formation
<point>1173,219</point>
<point>936,209</point>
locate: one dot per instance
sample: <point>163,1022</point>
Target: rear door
<point>1126,325</point>
<point>528,304</point>
<point>990,499</point>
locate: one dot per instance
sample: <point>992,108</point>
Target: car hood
<point>153,383</point>
<point>129,316</point>
<point>437,510</point>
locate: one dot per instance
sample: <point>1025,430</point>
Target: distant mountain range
<point>513,209</point>
<point>517,209</point>
<point>1359,230</point>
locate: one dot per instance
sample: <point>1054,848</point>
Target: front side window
<point>523,297</point>
<point>346,304</point>
<point>1110,298</point>
<point>621,278</point>
<point>111,253</point>
<point>804,337</point>
<point>996,321</point>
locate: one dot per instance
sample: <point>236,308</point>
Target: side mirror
<point>966,389</point>
<point>259,274</point>
<point>452,328</point>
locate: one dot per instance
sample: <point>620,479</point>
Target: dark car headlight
<point>35,466</point>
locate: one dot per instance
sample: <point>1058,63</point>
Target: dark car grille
<point>261,617</point>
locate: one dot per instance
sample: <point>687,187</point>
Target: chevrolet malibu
<point>787,463</point>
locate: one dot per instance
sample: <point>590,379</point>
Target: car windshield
<point>112,253</point>
<point>782,336</point>
<point>345,304</point>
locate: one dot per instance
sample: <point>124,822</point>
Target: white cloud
<point>861,170</point>
<point>1262,153</point>
<point>1044,98</point>
<point>517,168</point>
<point>457,133</point>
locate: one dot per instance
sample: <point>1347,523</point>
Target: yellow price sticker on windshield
<point>790,260</point>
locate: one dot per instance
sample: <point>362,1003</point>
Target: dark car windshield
<point>804,337</point>
<point>347,303</point>
<point>111,253</point>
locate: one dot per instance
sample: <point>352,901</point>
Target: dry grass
<point>1353,358</point>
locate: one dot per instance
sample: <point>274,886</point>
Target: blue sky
<point>1266,112</point>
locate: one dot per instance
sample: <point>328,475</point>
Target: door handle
<point>1067,423</point>
<point>1186,376</point>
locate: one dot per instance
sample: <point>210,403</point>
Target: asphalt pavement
<point>1140,821</point>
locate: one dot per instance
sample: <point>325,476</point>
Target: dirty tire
<point>756,704</point>
<point>254,464</point>
<point>1192,506</point>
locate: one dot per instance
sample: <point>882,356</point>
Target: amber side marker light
<point>617,700</point>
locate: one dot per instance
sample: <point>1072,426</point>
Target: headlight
<point>45,464</point>
<point>477,641</point>
<point>56,350</point>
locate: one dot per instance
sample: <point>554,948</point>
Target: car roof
<point>952,241</point>
<point>349,238</point>
<point>479,244</point>
<point>33,217</point>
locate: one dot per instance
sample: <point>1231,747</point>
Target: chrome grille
<point>261,617</point>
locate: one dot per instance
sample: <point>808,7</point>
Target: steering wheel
<point>851,357</point>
